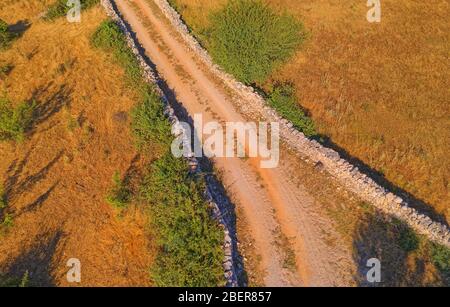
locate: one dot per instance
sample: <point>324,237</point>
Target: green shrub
<point>119,196</point>
<point>249,40</point>
<point>283,100</point>
<point>60,8</point>
<point>5,35</point>
<point>7,221</point>
<point>5,70</point>
<point>109,38</point>
<point>15,282</point>
<point>149,125</point>
<point>189,241</point>
<point>2,198</point>
<point>14,122</point>
<point>408,239</point>
<point>441,257</point>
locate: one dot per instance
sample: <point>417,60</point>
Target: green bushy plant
<point>441,257</point>
<point>149,125</point>
<point>408,240</point>
<point>14,121</point>
<point>189,241</point>
<point>119,196</point>
<point>249,40</point>
<point>2,198</point>
<point>22,282</point>
<point>5,35</point>
<point>283,99</point>
<point>109,37</point>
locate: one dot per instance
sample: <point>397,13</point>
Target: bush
<point>14,122</point>
<point>149,125</point>
<point>408,240</point>
<point>109,37</point>
<point>249,40</point>
<point>189,241</point>
<point>2,199</point>
<point>284,101</point>
<point>119,196</point>
<point>60,8</point>
<point>5,70</point>
<point>441,257</point>
<point>22,282</point>
<point>5,35</point>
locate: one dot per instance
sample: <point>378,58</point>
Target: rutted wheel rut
<point>270,201</point>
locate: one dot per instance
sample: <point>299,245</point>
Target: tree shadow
<point>133,175</point>
<point>38,202</point>
<point>19,28</point>
<point>36,261</point>
<point>14,187</point>
<point>46,108</point>
<point>375,237</point>
<point>420,205</point>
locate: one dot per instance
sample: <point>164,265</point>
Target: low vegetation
<point>441,258</point>
<point>15,121</point>
<point>120,195</point>
<point>188,240</point>
<point>5,69</point>
<point>249,40</point>
<point>6,36</point>
<point>60,8</point>
<point>149,124</point>
<point>15,282</point>
<point>109,38</point>
<point>2,198</point>
<point>283,99</point>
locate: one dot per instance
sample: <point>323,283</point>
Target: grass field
<point>55,180</point>
<point>379,91</point>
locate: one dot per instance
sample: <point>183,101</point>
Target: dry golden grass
<point>56,181</point>
<point>380,91</point>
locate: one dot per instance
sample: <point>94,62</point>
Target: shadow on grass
<point>19,28</point>
<point>49,106</point>
<point>404,258</point>
<point>36,262</point>
<point>14,186</point>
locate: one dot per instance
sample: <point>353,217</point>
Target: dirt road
<point>269,199</point>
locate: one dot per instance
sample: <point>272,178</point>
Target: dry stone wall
<point>252,104</point>
<point>221,207</point>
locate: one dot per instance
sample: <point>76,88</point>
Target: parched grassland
<point>64,128</point>
<point>379,91</point>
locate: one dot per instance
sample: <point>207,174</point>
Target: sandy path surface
<point>269,199</point>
